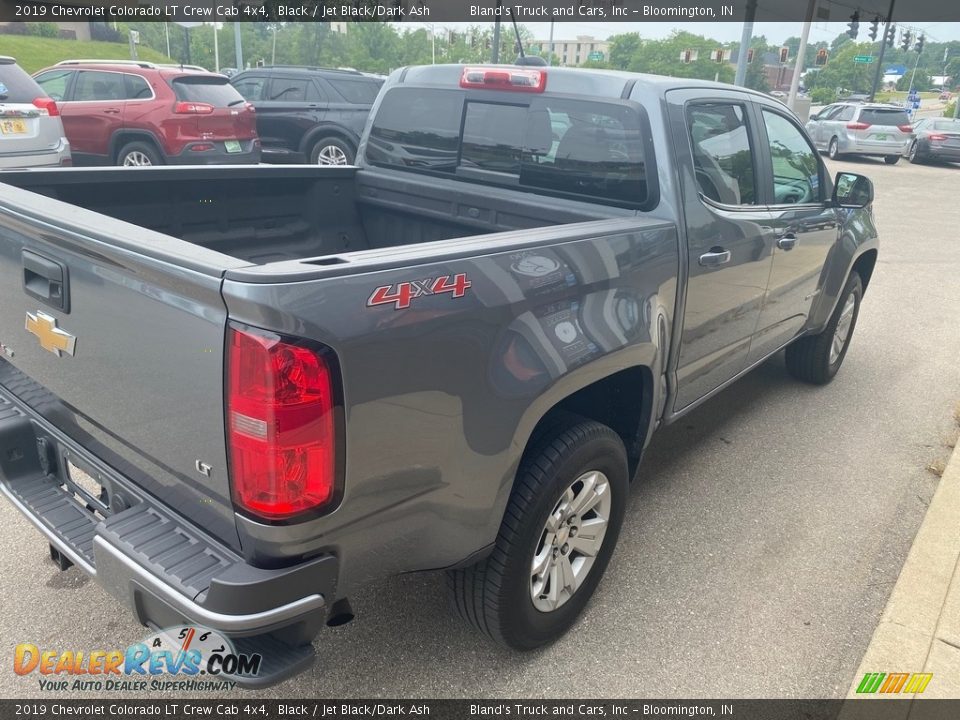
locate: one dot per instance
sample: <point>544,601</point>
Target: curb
<point>919,630</point>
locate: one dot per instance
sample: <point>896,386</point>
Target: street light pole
<point>236,46</point>
<point>800,62</point>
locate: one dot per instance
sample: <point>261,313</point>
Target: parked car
<point>137,113</point>
<point>31,133</point>
<point>304,379</point>
<point>936,139</point>
<point>308,114</point>
<point>847,128</point>
<point>945,96</point>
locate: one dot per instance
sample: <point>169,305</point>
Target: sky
<point>723,31</point>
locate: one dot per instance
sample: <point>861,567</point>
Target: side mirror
<point>851,190</point>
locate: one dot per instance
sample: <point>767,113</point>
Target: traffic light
<point>821,57</point>
<point>784,54</point>
<point>686,57</point>
<point>905,40</point>
<point>874,28</point>
<point>891,34</point>
<point>854,25</point>
<point>719,56</point>
<point>749,56</point>
<point>919,45</point>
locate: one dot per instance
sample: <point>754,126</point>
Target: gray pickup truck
<point>236,395</point>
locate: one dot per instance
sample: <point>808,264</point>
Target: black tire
<point>495,595</point>
<point>891,159</point>
<point>809,358</point>
<point>144,149</point>
<point>914,154</point>
<point>332,147</point>
<point>833,149</point>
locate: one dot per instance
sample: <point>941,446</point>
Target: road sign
<point>595,55</point>
<point>865,59</point>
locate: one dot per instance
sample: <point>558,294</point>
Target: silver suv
<point>31,134</point>
<point>850,128</point>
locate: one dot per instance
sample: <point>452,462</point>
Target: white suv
<point>862,129</point>
<point>31,134</point>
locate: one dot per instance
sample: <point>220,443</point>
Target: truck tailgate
<point>115,335</point>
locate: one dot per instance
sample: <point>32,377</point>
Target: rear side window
<point>215,90</point>
<point>882,116</point>
<point>581,148</point>
<point>287,90</point>
<point>16,86</point>
<point>722,154</point>
<point>358,92</point>
<point>92,86</point>
<point>138,88</point>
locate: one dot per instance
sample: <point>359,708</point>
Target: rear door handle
<point>46,280</point>
<point>112,111</point>
<point>787,242</point>
<point>716,257</point>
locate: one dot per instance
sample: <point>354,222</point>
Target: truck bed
<point>263,214</point>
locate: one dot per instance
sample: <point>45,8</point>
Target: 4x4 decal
<point>401,294</point>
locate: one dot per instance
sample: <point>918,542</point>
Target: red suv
<point>137,113</point>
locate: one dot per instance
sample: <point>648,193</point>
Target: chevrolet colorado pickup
<point>235,395</point>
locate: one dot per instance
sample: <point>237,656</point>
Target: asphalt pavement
<point>763,537</point>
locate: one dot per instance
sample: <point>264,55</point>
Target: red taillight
<point>201,147</point>
<point>857,126</point>
<point>905,128</point>
<point>281,425</point>
<point>936,136</point>
<point>48,104</point>
<point>192,108</point>
<point>504,78</point>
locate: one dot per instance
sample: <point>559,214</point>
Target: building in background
<point>573,53</point>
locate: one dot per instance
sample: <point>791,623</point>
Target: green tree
<point>622,49</point>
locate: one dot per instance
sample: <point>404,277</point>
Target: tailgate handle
<point>46,280</point>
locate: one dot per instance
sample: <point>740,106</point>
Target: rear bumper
<point>949,154</point>
<point>165,570</point>
<point>859,147</point>
<point>249,154</point>
<point>54,157</point>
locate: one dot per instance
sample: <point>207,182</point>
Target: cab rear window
<point>214,90</point>
<point>586,149</point>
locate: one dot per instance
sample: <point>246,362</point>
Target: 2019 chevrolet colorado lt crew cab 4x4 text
<point>285,382</point>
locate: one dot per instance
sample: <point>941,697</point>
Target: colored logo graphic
<point>184,651</point>
<point>894,683</point>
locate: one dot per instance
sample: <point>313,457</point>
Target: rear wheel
<point>138,154</point>
<point>332,151</point>
<point>558,533</point>
<point>891,159</point>
<point>817,358</point>
<point>833,149</point>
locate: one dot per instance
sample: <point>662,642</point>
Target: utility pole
<point>550,53</point>
<point>800,62</point>
<point>745,39</point>
<point>216,49</point>
<point>166,32</point>
<point>495,49</point>
<point>236,46</point>
<point>878,71</point>
<point>186,42</point>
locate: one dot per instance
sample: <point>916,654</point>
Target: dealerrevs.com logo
<point>186,657</point>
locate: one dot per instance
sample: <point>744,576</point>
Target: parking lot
<point>763,536</point>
